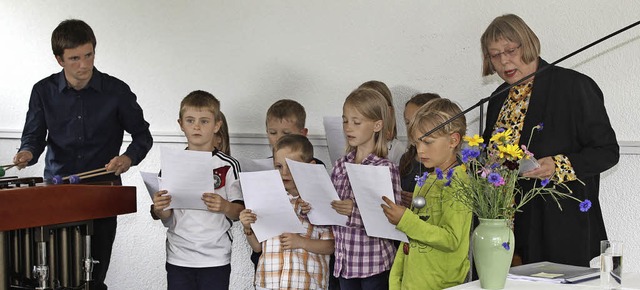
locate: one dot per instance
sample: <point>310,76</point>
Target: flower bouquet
<point>492,192</point>
<point>493,195</point>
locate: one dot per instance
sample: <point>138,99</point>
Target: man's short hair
<point>71,33</point>
<point>297,143</point>
<point>288,109</point>
<point>202,100</point>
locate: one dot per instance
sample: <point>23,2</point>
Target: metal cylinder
<point>14,249</point>
<point>27,259</point>
<point>77,256</point>
<point>41,270</point>
<point>53,257</point>
<point>64,257</point>
<point>88,260</point>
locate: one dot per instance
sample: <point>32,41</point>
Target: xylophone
<point>74,178</point>
<point>14,181</point>
<point>45,231</point>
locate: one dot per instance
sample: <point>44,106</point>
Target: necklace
<point>420,201</point>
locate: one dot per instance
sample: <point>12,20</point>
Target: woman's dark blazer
<point>571,107</point>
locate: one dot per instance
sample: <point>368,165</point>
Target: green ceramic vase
<point>492,257</point>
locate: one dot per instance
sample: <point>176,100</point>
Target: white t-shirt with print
<point>200,238</point>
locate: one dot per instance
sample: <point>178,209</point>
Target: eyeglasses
<point>509,52</point>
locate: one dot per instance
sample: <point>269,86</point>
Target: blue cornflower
<point>439,173</point>
<point>544,182</point>
<point>447,183</point>
<point>506,246</point>
<point>420,179</point>
<point>468,153</point>
<point>585,205</point>
<point>495,179</point>
<point>494,165</point>
<point>450,174</point>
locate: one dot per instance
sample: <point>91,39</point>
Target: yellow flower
<point>474,141</point>
<point>512,150</point>
<point>501,137</point>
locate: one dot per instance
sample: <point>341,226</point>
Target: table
<point>629,281</point>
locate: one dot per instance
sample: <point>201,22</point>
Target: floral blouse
<point>512,117</point>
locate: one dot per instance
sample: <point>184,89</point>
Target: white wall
<point>251,53</point>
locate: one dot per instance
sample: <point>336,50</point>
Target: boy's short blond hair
<point>288,109</point>
<point>201,100</point>
<point>297,143</point>
<point>434,113</point>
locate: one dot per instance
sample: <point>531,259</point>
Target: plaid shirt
<point>358,255</point>
<point>294,269</point>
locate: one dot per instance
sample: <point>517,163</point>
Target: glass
<point>611,264</point>
<point>509,53</point>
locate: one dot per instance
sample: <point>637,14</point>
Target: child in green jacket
<point>436,224</point>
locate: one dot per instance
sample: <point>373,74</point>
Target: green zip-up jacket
<point>438,239</point>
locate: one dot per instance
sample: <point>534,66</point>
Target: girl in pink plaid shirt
<point>362,262</point>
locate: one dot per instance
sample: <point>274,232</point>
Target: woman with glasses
<point>575,142</point>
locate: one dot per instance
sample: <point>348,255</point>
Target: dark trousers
<point>211,278</point>
<point>104,233</point>
<point>334,283</point>
<point>375,282</point>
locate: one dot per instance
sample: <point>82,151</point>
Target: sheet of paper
<point>370,183</point>
<point>186,175</point>
<point>265,195</point>
<point>316,188</point>
<point>336,142</point>
<point>151,182</point>
<point>251,165</point>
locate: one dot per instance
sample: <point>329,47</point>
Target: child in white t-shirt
<point>198,243</point>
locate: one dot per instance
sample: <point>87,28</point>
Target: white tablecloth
<point>629,281</point>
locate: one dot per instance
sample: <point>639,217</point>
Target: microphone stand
<point>544,68</point>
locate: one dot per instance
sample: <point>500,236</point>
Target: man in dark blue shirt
<point>80,116</point>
